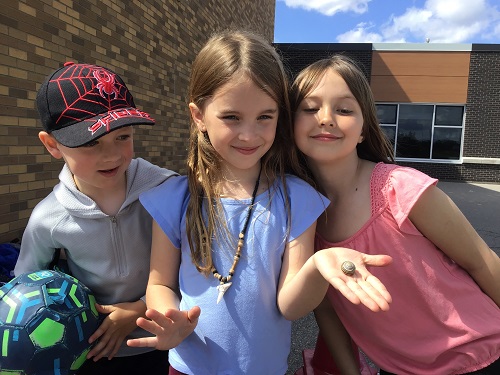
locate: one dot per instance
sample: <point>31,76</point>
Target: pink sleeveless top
<point>440,322</point>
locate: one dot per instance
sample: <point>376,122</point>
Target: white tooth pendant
<point>222,288</point>
<point>224,284</point>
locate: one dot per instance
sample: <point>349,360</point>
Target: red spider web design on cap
<point>87,91</point>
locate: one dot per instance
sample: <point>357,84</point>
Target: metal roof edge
<point>478,47</point>
<point>396,47</point>
<point>324,46</point>
<point>432,47</point>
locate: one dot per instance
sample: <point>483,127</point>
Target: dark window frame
<point>436,130</point>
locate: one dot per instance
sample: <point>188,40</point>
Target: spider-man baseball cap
<point>79,103</point>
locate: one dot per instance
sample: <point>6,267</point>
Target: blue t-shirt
<point>245,333</point>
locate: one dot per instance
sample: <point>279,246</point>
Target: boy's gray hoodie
<point>109,254</point>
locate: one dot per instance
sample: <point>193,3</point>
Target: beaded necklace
<point>225,280</point>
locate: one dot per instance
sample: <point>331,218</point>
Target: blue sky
<point>387,21</point>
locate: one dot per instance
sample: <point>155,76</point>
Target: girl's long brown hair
<point>227,55</point>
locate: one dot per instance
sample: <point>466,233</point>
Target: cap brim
<point>86,131</point>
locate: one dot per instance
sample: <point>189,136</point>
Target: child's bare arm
<point>336,338</point>
<point>163,285</point>
<point>169,325</point>
<point>438,218</point>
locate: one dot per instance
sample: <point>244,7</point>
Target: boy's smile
<point>109,172</point>
<point>99,167</point>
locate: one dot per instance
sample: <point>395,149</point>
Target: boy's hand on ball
<point>118,324</point>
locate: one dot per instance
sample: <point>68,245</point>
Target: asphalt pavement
<point>480,203</point>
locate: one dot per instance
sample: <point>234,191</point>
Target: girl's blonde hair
<point>226,55</point>
<point>375,146</point>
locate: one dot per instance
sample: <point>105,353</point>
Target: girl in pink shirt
<point>444,279</point>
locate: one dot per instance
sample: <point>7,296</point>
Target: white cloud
<point>360,34</point>
<point>442,21</point>
<point>330,7</point>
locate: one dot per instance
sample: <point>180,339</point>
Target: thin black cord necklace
<point>225,280</point>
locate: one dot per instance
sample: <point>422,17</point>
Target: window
<point>423,131</point>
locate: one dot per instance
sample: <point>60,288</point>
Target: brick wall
<point>149,43</point>
<point>482,134</point>
<point>485,173</point>
<point>297,56</point>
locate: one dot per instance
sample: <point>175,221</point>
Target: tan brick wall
<point>150,43</point>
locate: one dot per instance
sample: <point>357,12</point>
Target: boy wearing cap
<point>94,213</point>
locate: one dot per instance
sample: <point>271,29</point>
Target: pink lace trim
<point>378,186</point>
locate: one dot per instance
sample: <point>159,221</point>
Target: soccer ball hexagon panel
<point>46,319</point>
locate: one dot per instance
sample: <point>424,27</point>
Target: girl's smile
<point>325,137</point>
<point>246,150</point>
<point>240,130</point>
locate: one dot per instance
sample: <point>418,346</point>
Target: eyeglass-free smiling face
<point>241,122</point>
<point>100,165</point>
<point>328,123</point>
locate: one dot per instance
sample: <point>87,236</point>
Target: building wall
<point>483,105</point>
<point>430,73</point>
<point>467,172</point>
<point>297,56</point>
<point>469,77</point>
<point>149,43</point>
<point>420,77</point>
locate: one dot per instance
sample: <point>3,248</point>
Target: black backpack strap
<point>55,260</point>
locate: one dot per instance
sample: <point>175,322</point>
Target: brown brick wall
<point>150,43</point>
<point>483,106</point>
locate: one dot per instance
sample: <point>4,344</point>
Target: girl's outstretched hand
<point>169,329</point>
<point>362,286</point>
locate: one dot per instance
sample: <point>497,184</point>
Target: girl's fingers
<point>379,287</point>
<point>364,293</point>
<point>345,290</point>
<point>372,296</point>
<point>363,288</point>
<point>194,314</point>
<point>143,342</point>
<point>150,326</point>
<point>374,288</point>
<point>377,260</point>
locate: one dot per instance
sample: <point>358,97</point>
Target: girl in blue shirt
<point>233,240</point>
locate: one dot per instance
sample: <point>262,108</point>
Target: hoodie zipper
<point>117,245</point>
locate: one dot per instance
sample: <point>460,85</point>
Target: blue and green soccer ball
<point>46,319</point>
